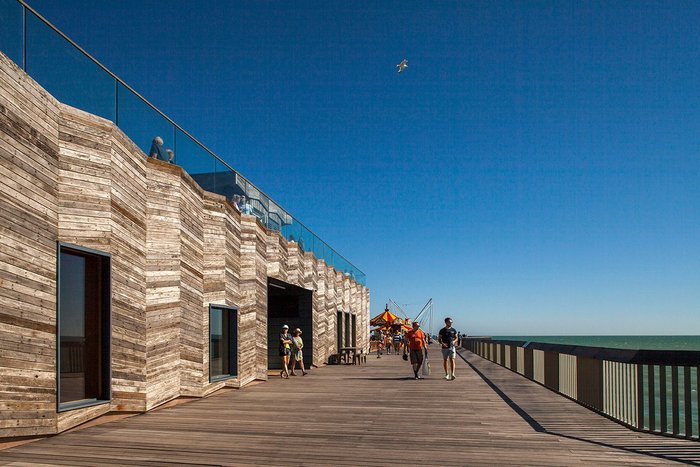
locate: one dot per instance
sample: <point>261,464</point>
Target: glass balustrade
<point>67,73</point>
<point>12,30</point>
<point>141,123</point>
<point>76,79</point>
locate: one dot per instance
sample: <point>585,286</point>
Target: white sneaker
<point>447,377</point>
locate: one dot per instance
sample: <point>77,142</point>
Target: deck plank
<point>366,415</point>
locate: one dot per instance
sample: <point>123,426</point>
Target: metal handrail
<point>172,122</point>
<point>617,383</point>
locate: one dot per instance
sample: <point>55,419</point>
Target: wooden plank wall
<point>128,246</point>
<point>194,312</point>
<point>321,319</point>
<point>84,200</point>
<point>163,278</point>
<point>214,264</point>
<point>73,177</point>
<point>28,232</point>
<point>252,329</point>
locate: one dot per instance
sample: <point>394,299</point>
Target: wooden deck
<point>366,415</point>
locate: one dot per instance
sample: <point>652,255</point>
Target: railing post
<point>697,396</point>
<point>662,399</point>
<point>688,399</point>
<point>651,392</point>
<point>640,396</point>
<point>674,399</point>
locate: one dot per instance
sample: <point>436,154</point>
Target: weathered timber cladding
<point>163,283</point>
<point>128,247</point>
<point>69,176</point>
<point>194,313</point>
<point>253,307</point>
<point>29,121</point>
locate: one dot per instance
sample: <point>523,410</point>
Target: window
<point>339,329</point>
<point>223,342</point>
<point>84,327</point>
<point>353,330</point>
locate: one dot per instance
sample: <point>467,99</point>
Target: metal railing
<point>654,391</point>
<point>76,78</point>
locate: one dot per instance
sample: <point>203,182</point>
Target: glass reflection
<point>80,321</point>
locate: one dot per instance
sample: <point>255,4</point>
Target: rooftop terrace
<point>75,78</point>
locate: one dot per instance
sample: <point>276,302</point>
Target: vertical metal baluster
<point>697,398</point>
<point>632,395</point>
<point>674,399</point>
<point>629,393</point>
<point>652,397</point>
<point>688,400</point>
<point>613,389</point>
<point>662,398</point>
<point>622,388</point>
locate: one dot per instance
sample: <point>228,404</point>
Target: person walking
<point>297,356</point>
<point>387,342</point>
<point>397,342</point>
<point>447,338</point>
<point>417,345</point>
<point>285,350</point>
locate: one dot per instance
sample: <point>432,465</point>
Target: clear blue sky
<point>535,170</point>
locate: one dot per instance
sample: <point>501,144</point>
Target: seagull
<point>402,66</point>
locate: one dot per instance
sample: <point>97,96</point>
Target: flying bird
<point>402,66</point>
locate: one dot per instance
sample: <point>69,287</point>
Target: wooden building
<point>181,280</point>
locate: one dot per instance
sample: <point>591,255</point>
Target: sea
<point>617,342</point>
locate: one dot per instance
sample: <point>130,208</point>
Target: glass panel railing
<point>195,160</point>
<point>68,74</point>
<point>225,180</point>
<point>76,79</point>
<point>142,124</point>
<point>12,30</point>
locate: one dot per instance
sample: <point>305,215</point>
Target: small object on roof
<point>402,66</point>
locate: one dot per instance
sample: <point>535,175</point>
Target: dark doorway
<point>339,329</point>
<point>290,305</point>
<point>348,342</point>
<point>353,330</point>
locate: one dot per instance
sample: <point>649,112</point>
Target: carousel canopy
<point>384,318</point>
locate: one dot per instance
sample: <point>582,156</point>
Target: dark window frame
<point>228,309</point>
<point>105,327</point>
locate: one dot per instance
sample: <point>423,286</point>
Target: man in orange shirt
<point>417,344</point>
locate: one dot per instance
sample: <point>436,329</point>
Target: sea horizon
<point>638,341</point>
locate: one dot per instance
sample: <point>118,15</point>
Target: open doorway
<point>339,330</point>
<point>290,305</point>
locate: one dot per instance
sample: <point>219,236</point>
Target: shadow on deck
<point>552,414</point>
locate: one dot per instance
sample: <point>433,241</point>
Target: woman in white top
<point>297,356</point>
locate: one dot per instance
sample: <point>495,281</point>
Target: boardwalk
<point>367,415</point>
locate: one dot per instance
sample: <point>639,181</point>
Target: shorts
<point>449,353</point>
<point>285,351</point>
<point>416,357</point>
